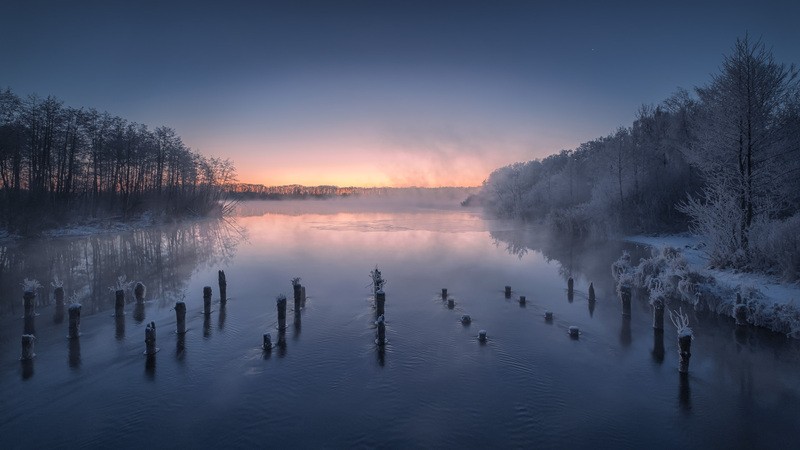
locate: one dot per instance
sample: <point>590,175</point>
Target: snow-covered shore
<point>685,275</point>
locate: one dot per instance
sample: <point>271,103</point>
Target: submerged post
<point>591,292</point>
<point>508,292</point>
<point>119,302</point>
<point>29,303</point>
<point>625,296</point>
<point>150,339</point>
<point>281,303</point>
<point>223,287</point>
<point>482,336</point>
<point>180,317</point>
<point>139,291</point>
<point>574,332</point>
<point>522,300</point>
<point>444,293</point>
<point>381,331</point>
<point>27,347</point>
<point>466,319</point>
<point>451,302</point>
<point>658,314</point>
<point>74,321</point>
<point>207,300</point>
<point>380,302</point>
<point>548,316</point>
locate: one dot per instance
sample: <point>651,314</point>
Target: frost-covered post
<point>381,331</point>
<point>74,321</point>
<point>180,317</point>
<point>207,300</point>
<point>508,291</point>
<point>377,280</point>
<point>685,336</point>
<point>27,347</point>
<point>740,311</point>
<point>658,313</point>
<point>591,292</point>
<point>444,293</point>
<point>139,291</point>
<point>281,303</point>
<point>380,302</point>
<point>625,296</point>
<point>150,339</point>
<point>119,302</point>
<point>223,287</point>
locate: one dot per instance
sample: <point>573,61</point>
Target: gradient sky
<point>377,92</point>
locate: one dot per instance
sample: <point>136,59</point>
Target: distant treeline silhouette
<point>59,163</point>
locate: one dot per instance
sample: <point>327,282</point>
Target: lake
<point>432,385</point>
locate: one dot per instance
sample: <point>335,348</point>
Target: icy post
<point>150,339</point>
<point>574,332</point>
<point>207,300</point>
<point>591,292</point>
<point>625,296</point>
<point>380,302</point>
<point>658,314</point>
<point>381,331</point>
<point>223,287</point>
<point>180,317</point>
<point>444,293</point>
<point>482,335</point>
<point>508,291</point>
<point>119,302</point>
<point>522,299</point>
<point>29,304</point>
<point>27,347</point>
<point>139,291</point>
<point>740,311</point>
<point>685,336</point>
<point>281,303</point>
<point>466,319</point>
<point>267,342</point>
<point>74,321</point>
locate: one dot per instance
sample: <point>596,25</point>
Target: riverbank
<point>685,275</point>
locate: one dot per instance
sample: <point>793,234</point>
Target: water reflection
<point>119,329</point>
<point>150,366</point>
<point>163,257</point>
<point>222,315</point>
<point>684,393</point>
<point>180,346</point>
<point>26,369</point>
<point>138,312</point>
<point>625,335</point>
<point>74,353</point>
<point>29,325</point>
<point>658,346</point>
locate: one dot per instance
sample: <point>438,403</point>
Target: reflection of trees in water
<point>163,258</point>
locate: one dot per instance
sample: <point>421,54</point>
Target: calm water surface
<point>433,385</point>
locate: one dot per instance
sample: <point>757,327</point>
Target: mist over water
<point>432,385</point>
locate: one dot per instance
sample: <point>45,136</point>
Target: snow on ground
<point>773,303</point>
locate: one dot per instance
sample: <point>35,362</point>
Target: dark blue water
<point>432,385</point>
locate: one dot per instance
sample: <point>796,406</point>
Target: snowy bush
<point>775,247</point>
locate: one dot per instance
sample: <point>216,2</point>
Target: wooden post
<point>591,292</point>
<point>658,314</point>
<point>29,303</point>
<point>58,294</point>
<point>570,285</point>
<point>302,296</point>
<point>625,296</point>
<point>381,331</point>
<point>482,336</point>
<point>281,302</point>
<point>451,303</point>
<point>522,300</point>
<point>119,302</point>
<point>150,339</point>
<point>444,293</point>
<point>223,287</point>
<point>740,311</point>
<point>74,321</point>
<point>548,316</point>
<point>380,302</point>
<point>207,300</point>
<point>574,332</point>
<point>139,291</point>
<point>267,345</point>
<point>508,292</point>
<point>180,317</point>
<point>685,346</point>
<point>298,297</point>
<point>466,319</point>
<point>27,347</point>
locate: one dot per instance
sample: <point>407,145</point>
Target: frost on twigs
<point>56,283</point>
<point>30,285</point>
<point>681,322</point>
<point>73,299</point>
<point>296,281</point>
<point>377,279</point>
<point>121,284</point>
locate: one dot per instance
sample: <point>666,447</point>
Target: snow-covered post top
<point>377,280</point>
<point>29,288</point>
<point>685,336</point>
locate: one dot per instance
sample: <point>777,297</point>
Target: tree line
<point>722,161</point>
<point>58,163</point>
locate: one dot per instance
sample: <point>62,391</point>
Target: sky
<point>378,93</point>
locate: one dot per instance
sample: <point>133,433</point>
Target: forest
<point>60,164</point>
<point>721,161</point>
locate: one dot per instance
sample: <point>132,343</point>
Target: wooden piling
<point>574,332</point>
<point>522,300</point>
<point>466,319</point>
<point>685,347</point>
<point>180,317</point>
<point>27,347</point>
<point>444,293</point>
<point>451,302</point>
<point>223,287</point>
<point>625,296</point>
<point>267,344</point>
<point>508,291</point>
<point>658,314</point>
<point>482,336</point>
<point>297,289</point>
<point>548,316</point>
<point>74,312</point>
<point>380,302</point>
<point>207,300</point>
<point>381,331</point>
<point>570,285</point>
<point>29,304</point>
<point>139,291</point>
<point>281,303</point>
<point>591,292</point>
<point>302,296</point>
<point>58,294</point>
<point>119,302</point>
<point>150,339</point>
